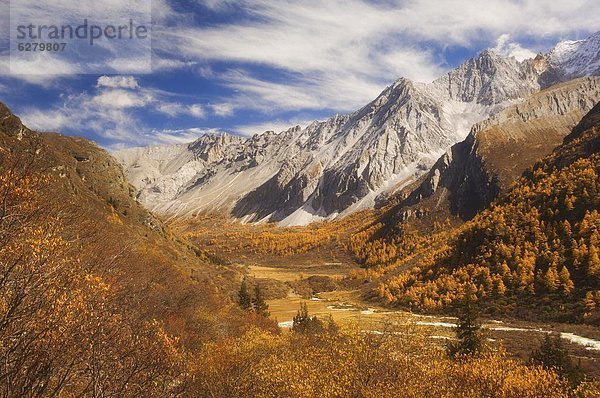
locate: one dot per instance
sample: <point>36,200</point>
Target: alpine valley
<point>441,241</point>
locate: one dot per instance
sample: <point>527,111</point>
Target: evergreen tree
<point>301,317</point>
<point>470,340</point>
<point>260,306</point>
<point>304,323</point>
<point>244,297</point>
<point>553,355</point>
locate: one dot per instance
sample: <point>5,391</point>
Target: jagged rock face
<point>490,79</point>
<point>571,59</point>
<point>459,180</point>
<point>473,172</point>
<point>347,162</point>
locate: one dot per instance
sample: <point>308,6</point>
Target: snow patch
<point>286,324</point>
<point>303,216</point>
<point>436,324</point>
<point>589,344</point>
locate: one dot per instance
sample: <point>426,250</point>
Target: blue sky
<point>246,66</point>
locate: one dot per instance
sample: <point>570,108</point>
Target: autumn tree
<point>395,362</point>
<point>550,279</point>
<point>591,303</point>
<point>565,283</point>
<point>593,263</point>
<point>64,330</point>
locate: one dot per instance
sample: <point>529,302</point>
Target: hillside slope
<point>97,297</point>
<point>497,151</point>
<point>534,252</point>
<point>87,183</point>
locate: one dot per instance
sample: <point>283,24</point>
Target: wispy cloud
<point>297,92</point>
<point>181,136</point>
<point>174,109</point>
<point>119,53</point>
<point>108,112</point>
<point>117,82</point>
<point>339,54</point>
<point>56,69</point>
<point>222,109</point>
<point>283,58</point>
<point>508,48</point>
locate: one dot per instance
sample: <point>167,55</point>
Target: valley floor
<point>346,308</point>
<point>315,276</point>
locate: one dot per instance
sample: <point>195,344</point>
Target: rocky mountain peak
<point>574,58</point>
<point>4,111</point>
<point>488,79</point>
<point>497,150</point>
<point>10,123</point>
<point>488,61</point>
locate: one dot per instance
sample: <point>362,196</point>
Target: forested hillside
<point>534,252</point>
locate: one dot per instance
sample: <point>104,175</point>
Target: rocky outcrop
<point>570,59</point>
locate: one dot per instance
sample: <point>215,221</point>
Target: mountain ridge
<point>345,163</point>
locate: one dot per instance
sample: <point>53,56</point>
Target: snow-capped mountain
<point>572,58</point>
<point>343,164</point>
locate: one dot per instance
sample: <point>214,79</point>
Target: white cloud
<point>121,99</point>
<point>45,121</point>
<point>316,92</point>
<point>512,49</point>
<point>166,137</point>
<point>174,109</point>
<point>27,70</point>
<point>170,108</point>
<point>118,82</point>
<point>222,109</point>
<point>107,111</point>
<point>109,56</point>
<point>169,64</point>
<point>291,55</point>
<point>89,113</point>
<point>197,110</point>
<point>179,136</point>
<point>340,54</point>
<point>350,35</point>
